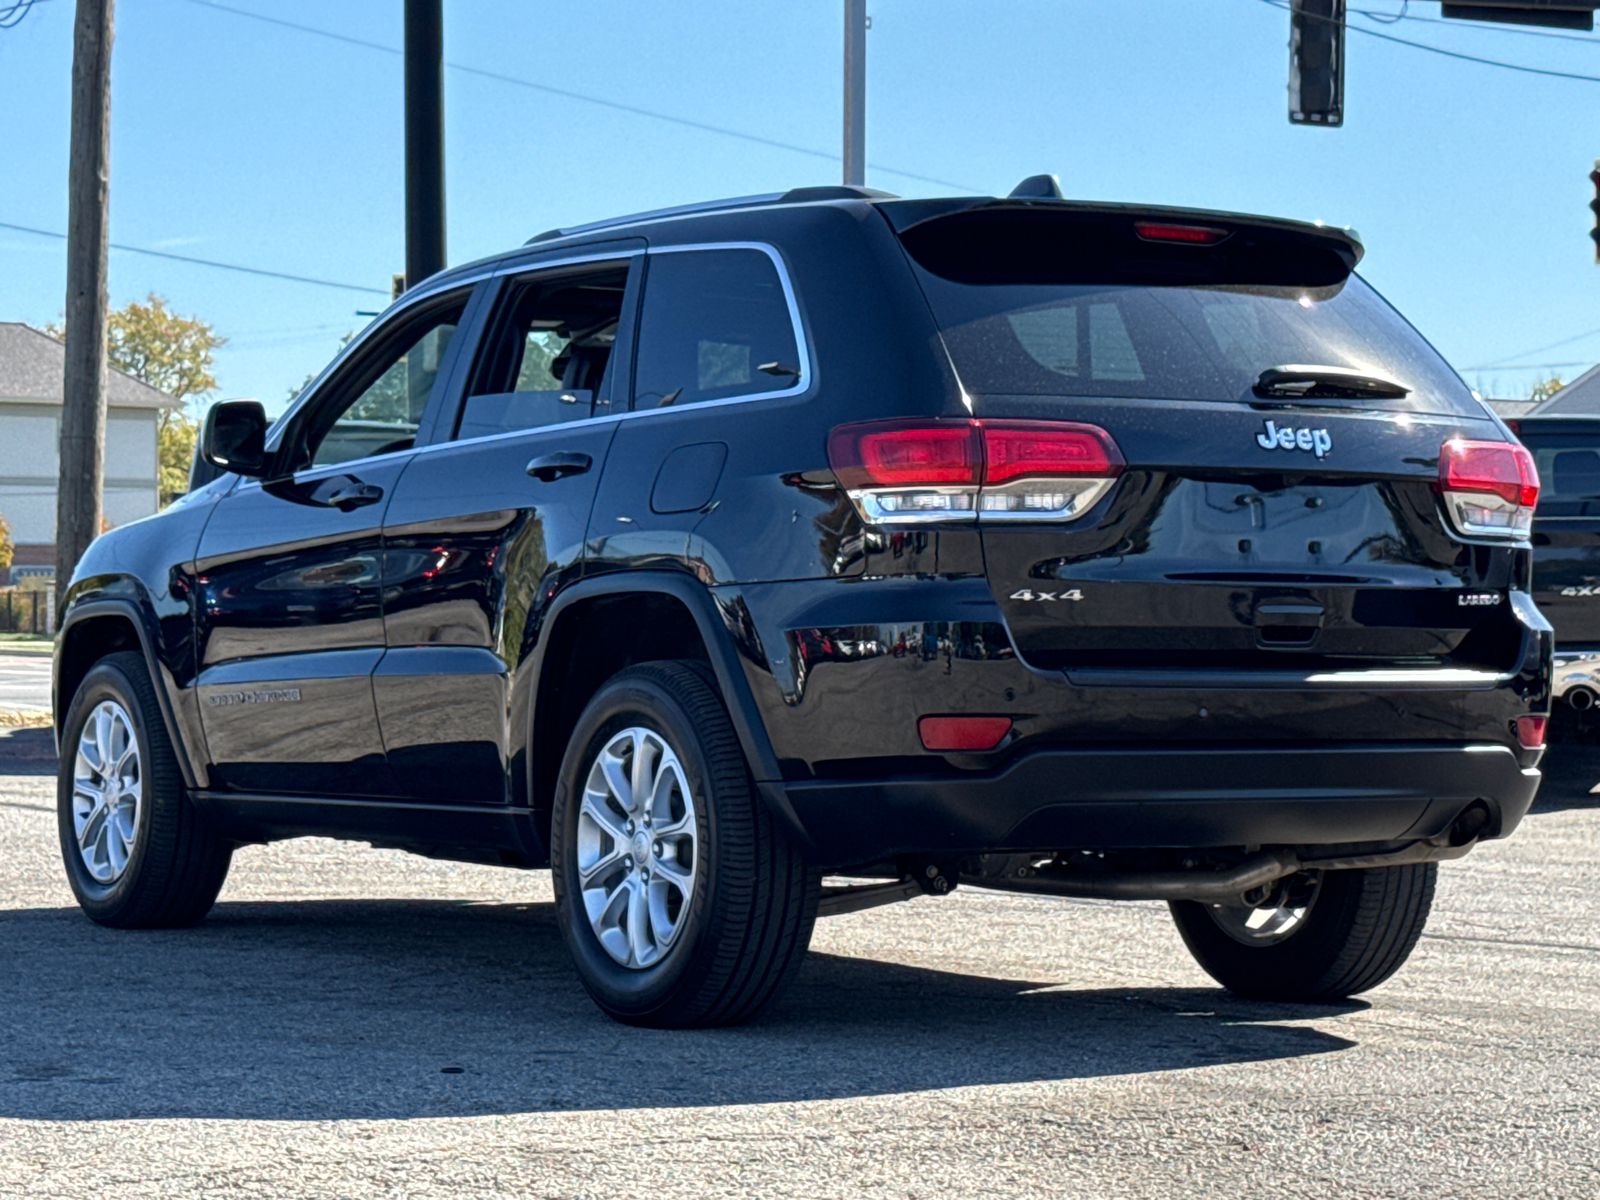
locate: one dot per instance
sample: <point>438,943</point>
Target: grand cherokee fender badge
<point>1030,595</point>
<point>265,696</point>
<point>1318,441</point>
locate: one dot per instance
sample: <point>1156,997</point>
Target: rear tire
<point>138,855</point>
<point>1359,929</point>
<point>725,904</point>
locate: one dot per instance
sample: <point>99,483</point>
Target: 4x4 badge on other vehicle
<point>1318,441</point>
<point>1030,594</point>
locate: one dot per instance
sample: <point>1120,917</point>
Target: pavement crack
<point>1461,937</point>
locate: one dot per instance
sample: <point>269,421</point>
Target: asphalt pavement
<point>24,680</point>
<point>361,1023</point>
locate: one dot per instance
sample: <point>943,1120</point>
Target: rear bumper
<point>1186,797</point>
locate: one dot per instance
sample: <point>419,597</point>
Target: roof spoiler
<point>1042,240</point>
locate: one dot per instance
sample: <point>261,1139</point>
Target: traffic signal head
<point>1316,62</point>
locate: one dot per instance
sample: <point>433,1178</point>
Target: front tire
<point>138,855</point>
<point>1325,937</point>
<point>678,896</point>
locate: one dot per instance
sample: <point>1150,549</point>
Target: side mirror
<point>235,437</point>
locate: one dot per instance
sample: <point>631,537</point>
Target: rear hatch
<point>1566,525</point>
<point>1281,428</point>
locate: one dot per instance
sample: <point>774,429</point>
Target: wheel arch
<point>93,630</point>
<point>659,615</point>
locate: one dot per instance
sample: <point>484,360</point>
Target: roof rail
<point>800,195</point>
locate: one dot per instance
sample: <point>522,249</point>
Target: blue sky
<point>251,143</point>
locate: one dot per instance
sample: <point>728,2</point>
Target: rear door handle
<point>354,495</point>
<point>548,468</point>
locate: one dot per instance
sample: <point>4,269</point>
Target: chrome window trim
<point>802,349</point>
<point>588,422</point>
<point>409,301</point>
<point>528,268</point>
<point>395,311</point>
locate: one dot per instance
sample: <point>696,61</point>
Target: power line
<point>586,97</point>
<point>12,14</point>
<point>206,262</point>
<point>1389,37</point>
<point>1530,366</point>
<point>1509,362</point>
<point>1473,26</point>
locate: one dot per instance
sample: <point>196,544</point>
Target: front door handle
<point>354,495</point>
<point>548,468</point>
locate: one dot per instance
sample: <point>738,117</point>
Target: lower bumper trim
<point>1179,797</point>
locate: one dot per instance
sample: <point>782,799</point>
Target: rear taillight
<point>905,472</point>
<point>912,472</point>
<point>1489,488</point>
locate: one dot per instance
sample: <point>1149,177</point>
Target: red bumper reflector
<point>964,733</point>
<point>1530,732</point>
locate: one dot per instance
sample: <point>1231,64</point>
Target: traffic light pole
<point>855,92</point>
<point>83,384</point>
<point>425,252</point>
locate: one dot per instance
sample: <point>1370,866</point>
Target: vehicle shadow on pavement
<point>329,1010</point>
<point>1570,769</point>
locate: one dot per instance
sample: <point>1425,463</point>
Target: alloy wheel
<point>1272,918</point>
<point>637,847</point>
<point>107,792</point>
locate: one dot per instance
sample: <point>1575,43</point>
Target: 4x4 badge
<point>1318,441</point>
<point>1030,594</point>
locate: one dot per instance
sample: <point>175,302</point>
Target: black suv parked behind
<point>1079,549</point>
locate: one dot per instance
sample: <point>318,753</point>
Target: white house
<point>31,366</point>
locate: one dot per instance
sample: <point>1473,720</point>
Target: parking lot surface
<point>24,680</point>
<point>361,1023</point>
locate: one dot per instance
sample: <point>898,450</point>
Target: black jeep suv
<point>1080,549</point>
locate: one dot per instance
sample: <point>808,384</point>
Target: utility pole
<point>83,396</point>
<point>855,92</point>
<point>424,140</point>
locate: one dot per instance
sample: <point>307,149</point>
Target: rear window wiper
<point>1298,381</point>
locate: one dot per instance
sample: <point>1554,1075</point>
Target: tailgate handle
<point>1289,614</point>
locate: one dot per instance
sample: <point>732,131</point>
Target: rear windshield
<point>1182,342</point>
<point>1569,472</point>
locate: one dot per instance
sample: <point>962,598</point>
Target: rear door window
<point>716,324</point>
<point>548,354</point>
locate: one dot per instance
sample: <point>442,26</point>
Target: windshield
<point>1182,343</point>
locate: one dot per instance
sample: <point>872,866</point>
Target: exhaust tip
<point>1471,824</point>
<point>1581,698</point>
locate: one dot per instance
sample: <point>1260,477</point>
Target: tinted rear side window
<point>715,325</point>
<point>1569,472</point>
<point>1181,343</point>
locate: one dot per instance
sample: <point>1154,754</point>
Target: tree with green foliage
<point>173,354</point>
<point>1545,388</point>
<point>6,549</point>
<point>296,389</point>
